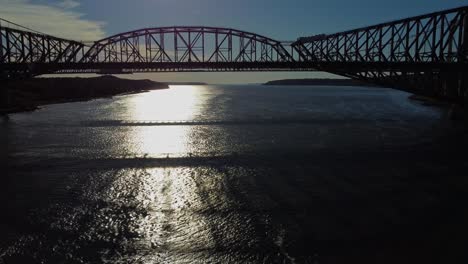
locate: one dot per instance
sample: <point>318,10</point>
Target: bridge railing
<point>437,37</point>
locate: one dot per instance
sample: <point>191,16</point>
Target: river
<point>234,174</point>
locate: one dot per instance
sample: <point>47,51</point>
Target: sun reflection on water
<point>169,195</point>
<point>179,103</point>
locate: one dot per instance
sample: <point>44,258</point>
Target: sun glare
<point>153,113</point>
<point>175,104</point>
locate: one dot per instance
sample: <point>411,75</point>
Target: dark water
<point>235,174</point>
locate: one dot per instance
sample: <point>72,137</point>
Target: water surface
<point>233,174</point>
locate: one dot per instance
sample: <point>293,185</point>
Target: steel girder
<point>436,37</point>
<point>425,54</point>
<point>187,44</point>
<point>17,46</point>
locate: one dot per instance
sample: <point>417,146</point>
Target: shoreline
<point>320,82</point>
<point>39,105</point>
<point>30,95</point>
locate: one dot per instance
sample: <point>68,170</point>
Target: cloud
<point>68,4</point>
<point>60,20</point>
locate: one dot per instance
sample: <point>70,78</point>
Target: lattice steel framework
<point>187,44</point>
<point>416,53</point>
<point>22,47</point>
<point>425,54</point>
<point>151,49</point>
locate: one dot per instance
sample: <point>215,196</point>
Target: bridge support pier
<point>4,97</point>
<point>463,78</point>
<point>465,35</point>
<point>454,85</point>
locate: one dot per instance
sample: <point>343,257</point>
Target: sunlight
<point>179,103</point>
<point>175,104</point>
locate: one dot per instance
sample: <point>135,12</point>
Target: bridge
<point>426,54</point>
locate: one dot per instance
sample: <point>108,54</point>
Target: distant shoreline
<point>314,82</point>
<point>29,95</point>
<point>185,83</point>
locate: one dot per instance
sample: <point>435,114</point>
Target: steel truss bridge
<point>427,54</point>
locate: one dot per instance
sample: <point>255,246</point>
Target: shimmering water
<point>233,174</point>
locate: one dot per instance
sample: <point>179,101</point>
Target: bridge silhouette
<point>426,54</point>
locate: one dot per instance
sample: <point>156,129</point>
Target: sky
<point>88,20</point>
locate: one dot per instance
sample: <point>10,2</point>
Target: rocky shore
<point>28,95</point>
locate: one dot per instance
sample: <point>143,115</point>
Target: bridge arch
<point>182,44</point>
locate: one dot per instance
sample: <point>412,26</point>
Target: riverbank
<point>322,82</point>
<point>186,83</point>
<point>456,112</point>
<point>28,95</point>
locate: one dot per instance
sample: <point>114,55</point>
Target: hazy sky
<point>278,19</point>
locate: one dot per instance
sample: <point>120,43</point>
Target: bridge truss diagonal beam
<point>433,48</point>
<point>187,44</point>
<point>427,53</point>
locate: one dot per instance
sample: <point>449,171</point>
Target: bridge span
<point>426,54</point>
